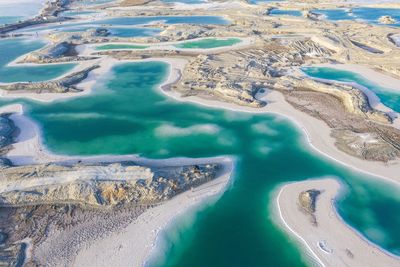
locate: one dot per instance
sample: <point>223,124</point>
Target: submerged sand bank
<point>330,241</point>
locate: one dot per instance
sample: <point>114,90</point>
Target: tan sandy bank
<point>330,241</point>
<point>133,245</point>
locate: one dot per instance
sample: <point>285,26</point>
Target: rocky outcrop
<point>367,48</point>
<point>7,133</point>
<point>60,52</point>
<point>63,85</point>
<point>387,20</point>
<point>99,185</point>
<point>307,202</point>
<point>354,100</point>
<point>354,134</point>
<point>58,208</point>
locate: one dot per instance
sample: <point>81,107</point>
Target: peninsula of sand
<point>306,210</point>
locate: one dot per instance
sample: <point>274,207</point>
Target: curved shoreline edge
<point>317,133</point>
<point>34,147</point>
<point>332,242</point>
<point>118,249</point>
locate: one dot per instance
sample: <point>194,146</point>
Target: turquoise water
<point>389,97</point>
<point>9,19</point>
<point>209,43</point>
<point>125,114</point>
<point>288,12</point>
<point>10,49</point>
<point>369,15</point>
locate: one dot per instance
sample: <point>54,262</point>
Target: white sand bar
<point>331,242</point>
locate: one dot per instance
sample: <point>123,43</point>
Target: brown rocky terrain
<point>40,203</point>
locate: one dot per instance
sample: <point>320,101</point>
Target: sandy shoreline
<point>384,80</point>
<point>331,242</point>
<point>316,131</point>
<point>146,228</point>
<point>134,244</point>
<point>376,77</point>
<point>29,149</point>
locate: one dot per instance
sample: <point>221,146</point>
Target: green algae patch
<point>209,43</point>
<point>120,46</point>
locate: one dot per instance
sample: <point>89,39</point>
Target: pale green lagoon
<point>126,114</point>
<point>209,43</point>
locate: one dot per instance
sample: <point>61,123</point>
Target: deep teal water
<point>389,97</point>
<point>127,115</point>
<point>10,49</point>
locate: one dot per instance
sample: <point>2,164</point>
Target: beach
<point>330,241</point>
<point>134,244</point>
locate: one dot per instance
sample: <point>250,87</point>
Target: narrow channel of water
<point>390,97</point>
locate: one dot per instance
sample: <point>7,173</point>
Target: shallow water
<point>366,14</point>
<point>127,115</point>
<point>10,49</point>
<point>9,19</point>
<point>389,97</point>
<point>288,12</point>
<point>209,43</point>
